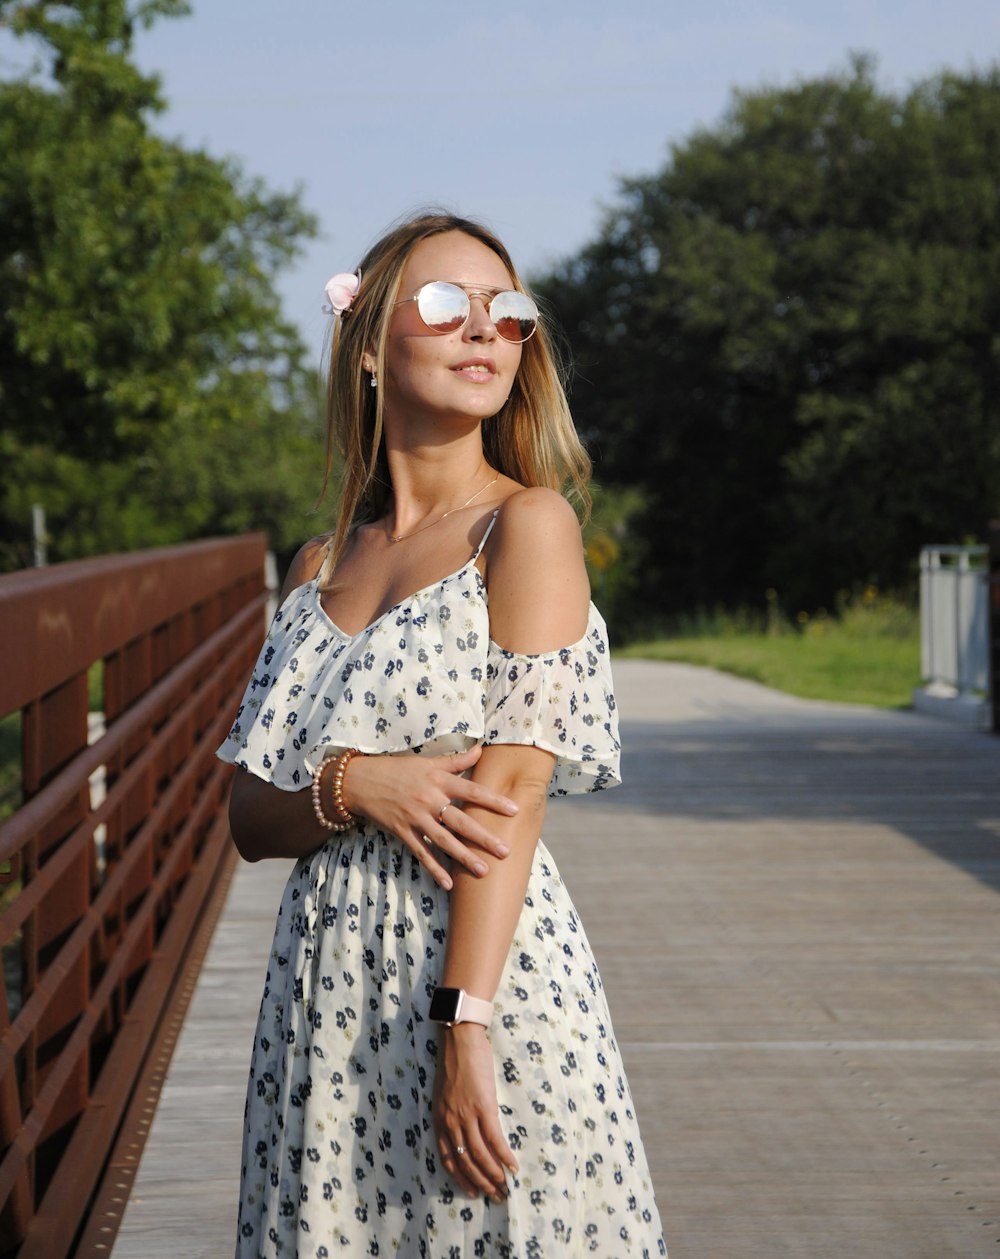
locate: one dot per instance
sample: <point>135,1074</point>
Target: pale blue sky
<point>521,113</point>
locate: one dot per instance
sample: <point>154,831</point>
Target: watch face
<point>445,1004</point>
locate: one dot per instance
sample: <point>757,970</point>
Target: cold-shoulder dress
<point>339,1152</point>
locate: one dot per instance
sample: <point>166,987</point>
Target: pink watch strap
<point>474,1010</point>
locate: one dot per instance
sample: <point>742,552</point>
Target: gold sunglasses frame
<point>487,296</point>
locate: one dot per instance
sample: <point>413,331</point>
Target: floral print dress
<point>339,1152</point>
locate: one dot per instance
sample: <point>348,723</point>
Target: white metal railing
<point>954,617</point>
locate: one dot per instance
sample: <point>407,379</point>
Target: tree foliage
<point>150,388</point>
<point>788,339</point>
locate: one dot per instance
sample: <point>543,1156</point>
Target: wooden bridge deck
<point>795,908</point>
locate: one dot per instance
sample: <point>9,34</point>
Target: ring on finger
<point>459,1149</point>
<point>445,806</point>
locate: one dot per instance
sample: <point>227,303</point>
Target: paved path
<point>795,908</point>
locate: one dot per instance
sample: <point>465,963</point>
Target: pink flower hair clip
<point>341,290</point>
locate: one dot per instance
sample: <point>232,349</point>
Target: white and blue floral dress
<point>339,1153</point>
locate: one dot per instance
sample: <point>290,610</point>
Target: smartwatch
<point>454,1005</point>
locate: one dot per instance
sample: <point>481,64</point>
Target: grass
<point>867,653</point>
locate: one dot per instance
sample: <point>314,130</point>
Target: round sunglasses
<point>446,307</point>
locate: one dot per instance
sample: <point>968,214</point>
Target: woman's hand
<point>403,794</point>
<point>419,798</point>
<point>471,1142</point>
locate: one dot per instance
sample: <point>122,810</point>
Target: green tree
<point>151,388</point>
<point>609,546</point>
<point>787,339</point>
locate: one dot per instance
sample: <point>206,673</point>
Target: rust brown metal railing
<point>100,897</point>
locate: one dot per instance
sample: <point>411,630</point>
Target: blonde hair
<point>531,439</point>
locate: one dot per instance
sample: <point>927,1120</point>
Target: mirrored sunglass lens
<point>514,315</point>
<point>443,307</point>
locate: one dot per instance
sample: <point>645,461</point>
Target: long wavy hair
<point>531,439</point>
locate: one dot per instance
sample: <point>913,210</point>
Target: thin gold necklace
<point>400,537</point>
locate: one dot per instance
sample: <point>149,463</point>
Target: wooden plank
<point>795,911</point>
<point>183,1200</point>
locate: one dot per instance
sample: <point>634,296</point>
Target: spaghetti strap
<point>482,542</point>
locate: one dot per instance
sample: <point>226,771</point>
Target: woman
<point>434,1071</point>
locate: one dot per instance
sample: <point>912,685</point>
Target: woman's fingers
<point>470,1161</point>
<point>493,1134</point>
<point>454,1164</point>
<point>458,823</point>
<point>470,792</point>
<point>484,1165</point>
<point>423,844</point>
<point>420,846</point>
<point>449,843</point>
<point>459,762</point>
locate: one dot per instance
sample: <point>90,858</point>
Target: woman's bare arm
<point>539,600</point>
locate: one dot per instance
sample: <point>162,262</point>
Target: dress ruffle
<point>561,701</point>
<point>315,689</point>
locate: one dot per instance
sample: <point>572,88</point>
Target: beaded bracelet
<point>345,819</point>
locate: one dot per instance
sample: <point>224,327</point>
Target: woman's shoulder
<point>537,519</point>
<point>539,594</point>
<point>306,563</point>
